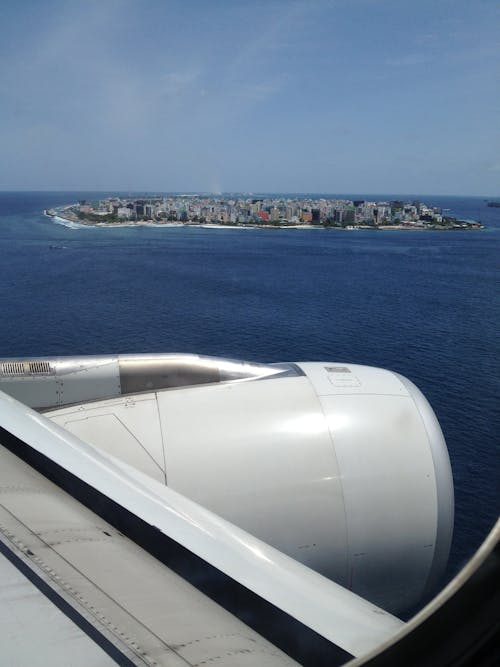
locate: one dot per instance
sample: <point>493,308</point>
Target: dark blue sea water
<point>422,303</point>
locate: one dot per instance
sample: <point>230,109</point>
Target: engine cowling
<point>343,467</point>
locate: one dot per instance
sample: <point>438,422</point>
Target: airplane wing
<point>76,591</point>
<point>134,607</point>
<point>116,563</point>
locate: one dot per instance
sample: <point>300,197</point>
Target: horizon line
<point>242,192</point>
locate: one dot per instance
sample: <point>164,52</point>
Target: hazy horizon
<point>279,96</point>
<point>124,192</point>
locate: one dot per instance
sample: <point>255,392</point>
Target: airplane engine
<point>343,467</point>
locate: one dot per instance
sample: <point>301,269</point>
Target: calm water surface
<point>424,304</point>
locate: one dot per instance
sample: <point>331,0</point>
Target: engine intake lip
<point>444,485</point>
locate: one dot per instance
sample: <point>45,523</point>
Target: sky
<point>327,96</point>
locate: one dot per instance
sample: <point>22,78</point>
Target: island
<point>260,211</point>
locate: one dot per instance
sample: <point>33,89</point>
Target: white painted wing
<point>75,591</point>
<point>330,610</point>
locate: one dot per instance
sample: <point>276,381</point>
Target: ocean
<point>424,304</point>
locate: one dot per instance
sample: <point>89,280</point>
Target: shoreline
<point>57,215</point>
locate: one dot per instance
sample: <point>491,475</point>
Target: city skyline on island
<point>245,210</point>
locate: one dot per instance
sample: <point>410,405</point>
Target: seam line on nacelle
<point>162,440</point>
<point>347,581</point>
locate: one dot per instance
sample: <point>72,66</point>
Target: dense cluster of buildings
<point>265,210</point>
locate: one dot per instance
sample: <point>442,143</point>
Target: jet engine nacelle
<point>340,466</point>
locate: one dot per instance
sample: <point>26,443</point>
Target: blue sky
<point>308,96</point>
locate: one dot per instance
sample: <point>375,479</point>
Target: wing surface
<point>329,610</point>
<point>74,585</point>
